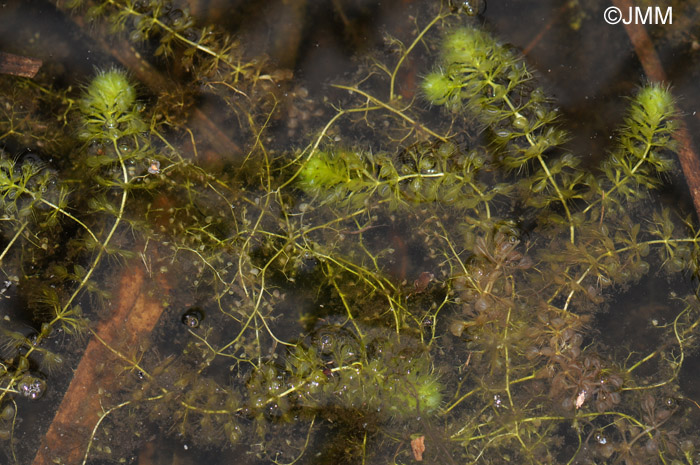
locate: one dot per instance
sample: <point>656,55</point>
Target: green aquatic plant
<point>491,82</point>
<point>647,135</point>
<point>108,108</point>
<point>215,59</point>
<point>39,203</point>
<point>340,300</point>
<point>339,372</point>
<point>423,173</point>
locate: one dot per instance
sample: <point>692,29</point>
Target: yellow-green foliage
<point>423,173</point>
<point>374,377</point>
<point>645,139</point>
<point>108,108</point>
<point>442,284</point>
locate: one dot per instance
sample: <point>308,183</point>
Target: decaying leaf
<point>418,447</point>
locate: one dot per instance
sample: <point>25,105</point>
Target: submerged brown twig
<point>17,65</point>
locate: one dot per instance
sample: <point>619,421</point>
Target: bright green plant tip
<point>428,395</point>
<point>656,102</point>
<point>321,171</point>
<point>467,45</point>
<point>109,91</point>
<point>437,88</point>
<point>108,108</point>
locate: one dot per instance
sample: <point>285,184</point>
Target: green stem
<point>619,182</point>
<point>388,107</point>
<point>415,42</point>
<point>14,238</point>
<point>550,177</point>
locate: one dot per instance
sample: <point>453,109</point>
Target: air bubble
<point>154,167</point>
<point>192,317</point>
<point>31,387</point>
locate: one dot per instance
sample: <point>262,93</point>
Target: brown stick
<point>536,40</point>
<point>17,65</point>
<point>644,48</point>
<point>136,315</point>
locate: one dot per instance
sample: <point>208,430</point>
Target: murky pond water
<point>348,232</point>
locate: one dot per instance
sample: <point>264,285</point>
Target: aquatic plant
<point>424,173</point>
<point>437,287</point>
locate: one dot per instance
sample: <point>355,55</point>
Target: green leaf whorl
<point>108,107</point>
